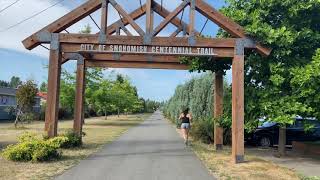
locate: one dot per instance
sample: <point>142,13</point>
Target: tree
<point>67,94</point>
<point>43,87</point>
<point>120,78</point>
<point>104,98</point>
<point>306,82</point>
<point>4,83</point>
<point>25,97</point>
<point>94,76</point>
<point>291,29</point>
<point>149,106</point>
<point>15,82</point>
<point>86,30</point>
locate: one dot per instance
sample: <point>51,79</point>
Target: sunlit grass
<point>98,132</point>
<point>220,164</point>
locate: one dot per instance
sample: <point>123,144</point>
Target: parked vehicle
<point>268,133</point>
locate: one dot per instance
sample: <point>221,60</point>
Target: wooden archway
<point>110,49</point>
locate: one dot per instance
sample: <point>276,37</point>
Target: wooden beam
<point>192,19</point>
<point>126,64</point>
<point>128,17</point>
<point>156,41</point>
<point>121,25</point>
<point>134,58</point>
<point>173,14</point>
<point>149,17</point>
<point>52,109</point>
<point>64,22</point>
<point>218,110</point>
<point>238,105</point>
<point>226,23</point>
<point>134,15</point>
<point>75,48</point>
<point>79,104</point>
<point>118,31</point>
<point>104,17</point>
<point>176,32</point>
<point>175,21</point>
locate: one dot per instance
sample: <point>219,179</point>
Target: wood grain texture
<point>104,17</point>
<point>138,40</point>
<point>140,65</point>
<point>238,108</point>
<point>163,12</point>
<point>79,100</point>
<point>52,108</point>
<point>128,17</point>
<point>169,17</point>
<point>218,109</point>
<point>149,17</point>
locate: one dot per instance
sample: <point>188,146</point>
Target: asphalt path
<point>152,150</point>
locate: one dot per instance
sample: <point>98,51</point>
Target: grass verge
<point>219,163</point>
<point>98,132</point>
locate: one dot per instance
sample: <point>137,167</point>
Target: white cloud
<point>11,39</point>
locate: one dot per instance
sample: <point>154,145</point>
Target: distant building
<point>43,97</point>
<point>8,99</point>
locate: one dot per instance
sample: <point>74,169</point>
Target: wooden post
<point>80,89</point>
<point>51,118</point>
<point>104,17</point>
<point>104,21</point>
<point>149,17</point>
<point>238,103</point>
<point>118,31</point>
<point>192,22</point>
<point>218,109</point>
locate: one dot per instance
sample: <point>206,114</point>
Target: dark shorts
<point>185,126</point>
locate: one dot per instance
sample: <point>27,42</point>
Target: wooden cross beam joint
<point>169,17</point>
<point>128,17</point>
<point>242,43</point>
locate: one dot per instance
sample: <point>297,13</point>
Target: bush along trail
<point>27,154</point>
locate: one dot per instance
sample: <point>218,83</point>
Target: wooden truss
<point>64,47</point>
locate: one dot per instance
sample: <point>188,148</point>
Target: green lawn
<point>98,132</point>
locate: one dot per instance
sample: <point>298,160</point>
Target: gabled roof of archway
<point>91,6</point>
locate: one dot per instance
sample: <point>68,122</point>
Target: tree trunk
<point>282,141</point>
<point>17,119</point>
<point>105,115</point>
<point>118,112</point>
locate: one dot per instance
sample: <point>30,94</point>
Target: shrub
<point>73,140</point>
<point>203,130</point>
<point>58,141</point>
<point>46,151</point>
<point>32,148</point>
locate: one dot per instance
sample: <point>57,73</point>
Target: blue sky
<point>16,61</point>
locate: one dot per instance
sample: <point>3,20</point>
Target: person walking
<point>185,118</point>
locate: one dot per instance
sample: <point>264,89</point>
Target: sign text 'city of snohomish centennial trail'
<point>160,50</point>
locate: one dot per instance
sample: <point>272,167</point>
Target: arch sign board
<point>141,49</point>
<point>147,50</point>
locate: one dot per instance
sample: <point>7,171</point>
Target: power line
<point>9,6</point>
<point>10,27</point>
<point>44,47</point>
<point>94,22</point>
<point>204,26</point>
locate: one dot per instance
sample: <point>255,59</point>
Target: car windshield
<point>268,124</point>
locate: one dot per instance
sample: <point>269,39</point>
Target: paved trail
<point>150,151</point>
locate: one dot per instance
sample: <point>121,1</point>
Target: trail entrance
<point>108,48</point>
